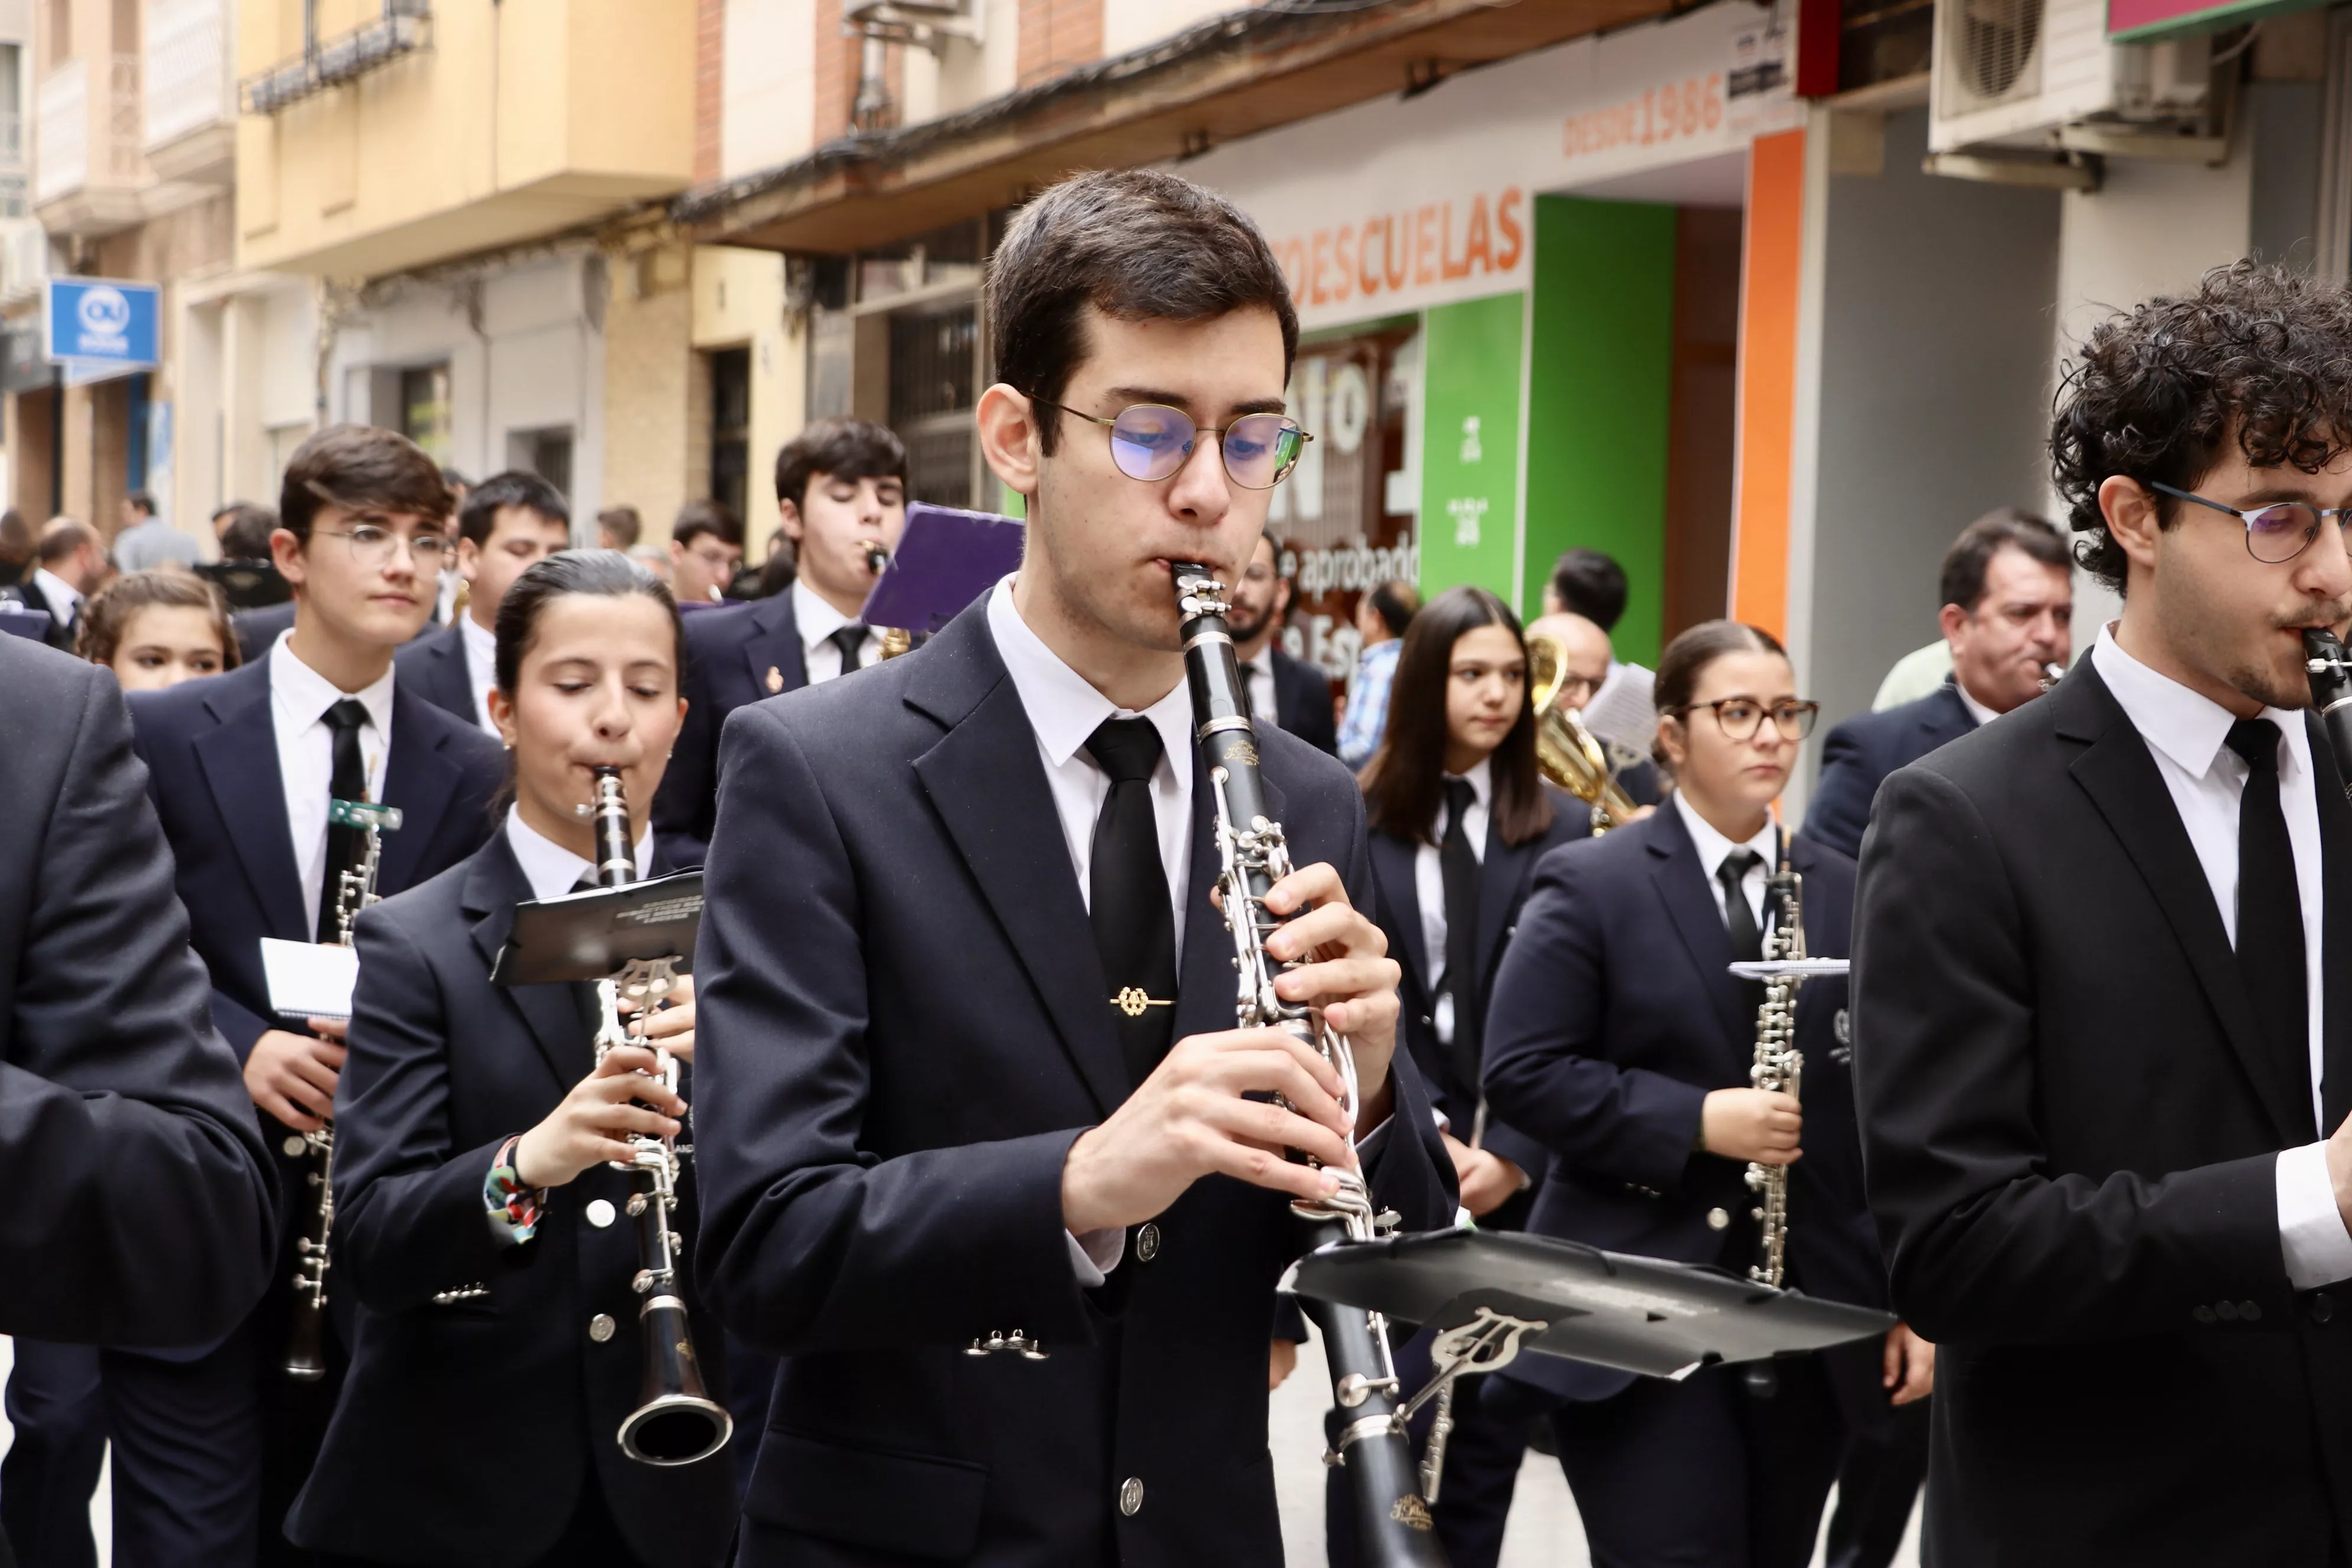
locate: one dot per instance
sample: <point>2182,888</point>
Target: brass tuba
<point>1565,751</point>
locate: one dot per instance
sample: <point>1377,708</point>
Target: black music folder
<point>1636,1314</point>
<point>595,934</point>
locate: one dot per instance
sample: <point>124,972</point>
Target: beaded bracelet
<point>514,1208</point>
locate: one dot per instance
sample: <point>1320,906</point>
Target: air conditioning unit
<point>23,260</point>
<point>2040,75</point>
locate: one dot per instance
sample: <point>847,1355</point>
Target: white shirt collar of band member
<point>550,869</point>
<point>1713,846</point>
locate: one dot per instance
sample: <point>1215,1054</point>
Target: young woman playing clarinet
<point>479,1225</point>
<point>1618,1038</point>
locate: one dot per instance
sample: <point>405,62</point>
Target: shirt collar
<point>1481,778</point>
<point>1977,711</point>
<point>2187,726</point>
<point>550,869</point>
<point>816,619</point>
<point>56,588</point>
<point>480,642</point>
<point>1713,846</point>
<point>308,695</point>
<point>1262,660</point>
<point>1062,708</point>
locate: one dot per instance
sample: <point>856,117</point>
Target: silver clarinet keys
<point>1017,1341</point>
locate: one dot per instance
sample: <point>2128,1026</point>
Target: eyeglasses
<point>2276,533</point>
<point>372,548</point>
<point>1150,441</point>
<point>1739,717</point>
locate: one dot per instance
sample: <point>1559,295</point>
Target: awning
<point>1225,78</point>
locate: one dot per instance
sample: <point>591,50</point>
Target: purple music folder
<point>946,558</point>
<point>32,624</point>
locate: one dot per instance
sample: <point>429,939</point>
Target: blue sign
<point>98,324</point>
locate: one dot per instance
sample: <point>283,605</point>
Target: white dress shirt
<point>1429,889</point>
<point>1265,705</point>
<point>1977,711</point>
<point>550,869</point>
<point>299,699</point>
<point>481,665</point>
<point>1713,846</point>
<point>62,598</point>
<point>818,621</point>
<point>2185,733</point>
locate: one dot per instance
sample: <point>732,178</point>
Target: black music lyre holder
<point>597,933</point>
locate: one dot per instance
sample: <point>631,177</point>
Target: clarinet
<point>676,1421</point>
<point>306,1334</point>
<point>1778,1065</point>
<point>2330,668</point>
<point>1393,1526</point>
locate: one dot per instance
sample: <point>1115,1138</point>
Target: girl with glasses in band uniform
<point>479,1227</point>
<point>1617,1038</point>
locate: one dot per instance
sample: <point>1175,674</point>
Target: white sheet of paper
<point>310,979</point>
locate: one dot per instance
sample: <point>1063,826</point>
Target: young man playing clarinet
<point>2102,1017</point>
<point>209,1453</point>
<point>1018,1243</point>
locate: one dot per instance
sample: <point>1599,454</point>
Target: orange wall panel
<point>1769,292</point>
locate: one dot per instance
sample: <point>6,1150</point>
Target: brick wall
<point>709,84</point>
<point>836,72</point>
<point>1057,34</point>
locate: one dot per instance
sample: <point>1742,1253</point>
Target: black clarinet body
<point>2330,668</point>
<point>1368,1442</point>
<point>676,1421</point>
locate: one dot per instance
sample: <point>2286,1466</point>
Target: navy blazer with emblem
<point>1613,1017</point>
<point>903,1027</point>
<point>1859,755</point>
<point>735,655</point>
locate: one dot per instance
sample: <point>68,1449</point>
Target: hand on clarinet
<point>1343,968</point>
<point>672,1027</point>
<point>1760,1126</point>
<point>597,1119</point>
<point>292,1077</point>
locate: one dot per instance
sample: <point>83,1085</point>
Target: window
<point>934,380</point>
<point>424,417</point>
<point>730,427</point>
<point>547,453</point>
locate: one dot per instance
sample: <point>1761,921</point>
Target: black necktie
<point>851,640</point>
<point>1459,867</point>
<point>348,781</point>
<point>1747,940</point>
<point>2270,909</point>
<point>1135,929</point>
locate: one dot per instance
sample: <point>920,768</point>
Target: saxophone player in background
<point>479,1229</point>
<point>1617,1038</point>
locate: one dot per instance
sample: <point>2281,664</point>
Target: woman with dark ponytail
<point>479,1227</point>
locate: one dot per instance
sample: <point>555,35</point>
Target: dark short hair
<point>697,518</point>
<point>516,487</point>
<point>1590,584</point>
<point>1687,657</point>
<point>845,448</point>
<point>2259,356</point>
<point>360,467</point>
<point>143,499</point>
<point>1962,580</point>
<point>1404,783</point>
<point>1395,602</point>
<point>60,537</point>
<point>604,573</point>
<point>247,537</point>
<point>623,523</point>
<point>1138,244</point>
<point>107,613</point>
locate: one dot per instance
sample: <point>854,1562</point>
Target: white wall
<point>767,112</point>
<point>1132,24</point>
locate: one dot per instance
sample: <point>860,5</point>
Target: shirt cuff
<point>1094,1254</point>
<point>2316,1247</point>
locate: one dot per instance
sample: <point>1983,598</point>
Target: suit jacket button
<point>1130,1496</point>
<point>2226,1310</point>
<point>2249,1312</point>
<point>599,1212</point>
<point>599,1327</point>
<point>2201,1312</point>
<point>1147,1243</point>
<point>2323,1305</point>
<point>1717,1219</point>
<point>1426,1022</point>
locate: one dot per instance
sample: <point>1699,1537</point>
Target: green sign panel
<point>1470,444</point>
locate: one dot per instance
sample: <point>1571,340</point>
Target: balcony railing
<point>88,127</point>
<point>400,27</point>
<point>189,76</point>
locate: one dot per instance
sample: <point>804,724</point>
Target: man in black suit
<point>2104,1015</point>
<point>2008,613</point>
<point>508,521</point>
<point>146,1216</point>
<point>68,567</point>
<point>971,1131</point>
<point>1293,694</point>
<point>241,768</point>
<point>841,487</point>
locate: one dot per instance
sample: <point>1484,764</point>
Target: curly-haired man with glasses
<point>2103,1027</point>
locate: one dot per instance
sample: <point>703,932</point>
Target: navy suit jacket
<point>142,1211</point>
<point>735,655</point>
<point>1302,702</point>
<point>1505,872</point>
<point>1861,752</point>
<point>1612,1017</point>
<point>903,1027</point>
<point>258,629</point>
<point>443,1067</point>
<point>434,667</point>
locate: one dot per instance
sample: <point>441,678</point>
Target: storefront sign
<point>2149,21</point>
<point>1403,203</point>
<point>99,327</point>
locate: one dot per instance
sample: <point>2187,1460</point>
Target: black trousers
<point>1702,1473</point>
<point>52,1467</point>
<point>590,1540</point>
<point>1877,1485</point>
